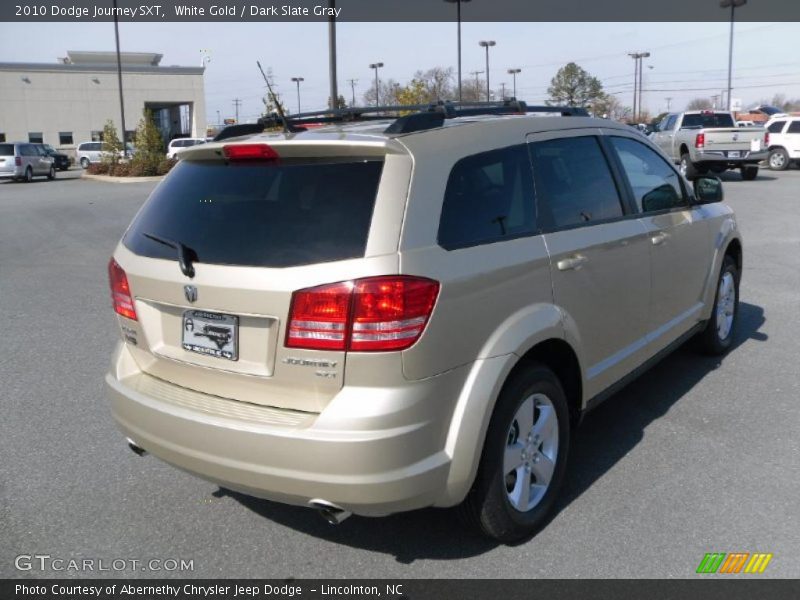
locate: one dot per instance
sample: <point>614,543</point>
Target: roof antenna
<point>286,127</point>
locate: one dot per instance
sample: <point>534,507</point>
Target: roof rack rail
<point>408,118</point>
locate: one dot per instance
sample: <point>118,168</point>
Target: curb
<point>110,179</point>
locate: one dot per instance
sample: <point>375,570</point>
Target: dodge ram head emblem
<point>735,137</point>
<point>190,292</point>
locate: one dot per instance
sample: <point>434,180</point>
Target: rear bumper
<point>719,156</point>
<point>294,457</point>
<point>11,173</point>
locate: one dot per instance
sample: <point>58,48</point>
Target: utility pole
<point>458,4</point>
<point>669,102</point>
<point>503,90</point>
<point>637,80</point>
<point>353,83</point>
<point>334,91</point>
<point>119,80</point>
<point>237,103</point>
<point>733,5</point>
<point>477,83</point>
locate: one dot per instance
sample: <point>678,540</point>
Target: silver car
<point>23,161</point>
<point>380,316</point>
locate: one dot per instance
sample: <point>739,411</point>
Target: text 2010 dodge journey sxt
<point>374,317</point>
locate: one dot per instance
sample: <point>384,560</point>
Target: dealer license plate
<point>734,154</point>
<point>212,334</point>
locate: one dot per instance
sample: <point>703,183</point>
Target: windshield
<point>265,214</point>
<point>707,121</point>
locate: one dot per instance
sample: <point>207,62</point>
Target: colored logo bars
<point>735,562</point>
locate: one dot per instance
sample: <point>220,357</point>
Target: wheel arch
<point>468,430</point>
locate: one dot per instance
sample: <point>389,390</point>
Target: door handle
<point>659,238</point>
<point>573,262</point>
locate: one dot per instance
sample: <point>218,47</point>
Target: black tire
<point>487,505</point>
<point>51,174</point>
<point>778,159</point>
<point>687,167</point>
<point>749,172</point>
<point>85,163</point>
<point>28,175</point>
<point>710,341</point>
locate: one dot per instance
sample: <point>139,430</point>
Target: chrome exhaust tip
<point>137,450</point>
<point>329,511</point>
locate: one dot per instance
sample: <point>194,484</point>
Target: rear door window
<point>280,214</point>
<point>776,127</point>
<point>794,127</point>
<point>489,198</point>
<point>574,185</point>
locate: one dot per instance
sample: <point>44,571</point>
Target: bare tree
<point>700,104</point>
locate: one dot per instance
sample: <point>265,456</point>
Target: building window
<point>2,137</point>
<point>65,138</point>
<point>97,136</point>
<point>35,137</point>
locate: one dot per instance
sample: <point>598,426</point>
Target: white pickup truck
<point>706,140</point>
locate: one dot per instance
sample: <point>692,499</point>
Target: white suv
<point>784,142</point>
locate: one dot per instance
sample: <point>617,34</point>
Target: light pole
<point>513,73</point>
<point>377,66</point>
<point>458,4</point>
<point>502,90</point>
<point>219,121</point>
<point>733,5</point>
<point>297,80</point>
<point>334,89</point>
<point>487,44</point>
<point>637,79</point>
<point>641,84</point>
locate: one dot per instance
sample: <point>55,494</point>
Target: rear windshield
<point>282,214</point>
<point>699,121</point>
<point>6,149</point>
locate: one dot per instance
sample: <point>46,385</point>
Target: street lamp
<point>487,44</point>
<point>733,5</point>
<point>297,80</point>
<point>513,73</point>
<point>458,4</point>
<point>377,66</point>
<point>637,79</point>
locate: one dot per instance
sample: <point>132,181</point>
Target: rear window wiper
<point>185,254</point>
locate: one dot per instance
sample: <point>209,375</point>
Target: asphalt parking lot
<point>698,455</point>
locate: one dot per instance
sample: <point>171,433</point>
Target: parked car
<point>179,144</point>
<point>24,161</point>
<point>703,141</point>
<point>60,160</point>
<point>377,317</point>
<point>784,142</point>
<point>92,152</point>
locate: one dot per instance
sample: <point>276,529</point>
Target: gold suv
<point>380,316</point>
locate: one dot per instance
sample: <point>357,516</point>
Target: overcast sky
<point>685,56</point>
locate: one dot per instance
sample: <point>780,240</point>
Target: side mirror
<point>708,190</point>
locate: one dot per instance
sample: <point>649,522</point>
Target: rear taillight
<point>700,140</point>
<point>18,161</point>
<point>121,297</point>
<point>366,315</point>
<point>766,139</point>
